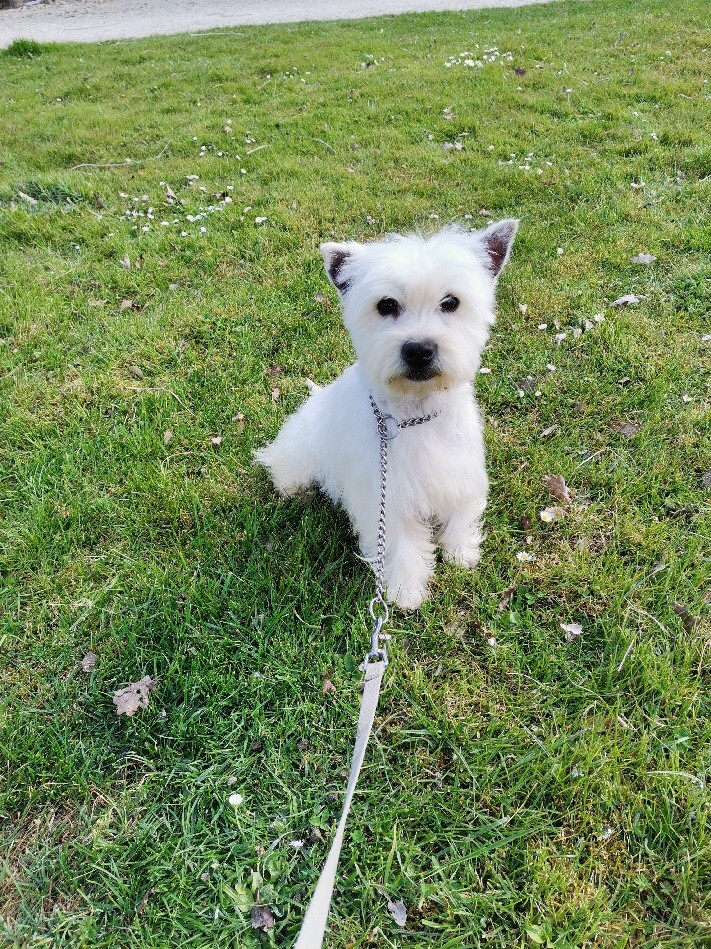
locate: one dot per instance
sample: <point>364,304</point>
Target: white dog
<point>419,312</point>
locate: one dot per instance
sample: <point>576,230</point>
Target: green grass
<point>531,792</point>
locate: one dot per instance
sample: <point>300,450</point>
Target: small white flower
<point>523,556</point>
<point>235,799</point>
<point>492,641</point>
<point>203,230</point>
<point>560,251</point>
<point>542,326</point>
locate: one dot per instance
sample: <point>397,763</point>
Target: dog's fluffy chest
<point>433,463</point>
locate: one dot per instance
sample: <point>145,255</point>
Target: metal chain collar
<point>378,607</point>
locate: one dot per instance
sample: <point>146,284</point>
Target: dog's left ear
<point>497,240</point>
<point>337,257</point>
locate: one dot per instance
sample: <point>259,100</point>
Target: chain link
<point>378,607</point>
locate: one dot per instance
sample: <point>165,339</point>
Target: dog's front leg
<point>461,536</point>
<point>409,561</point>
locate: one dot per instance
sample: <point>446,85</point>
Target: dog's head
<point>419,309</point>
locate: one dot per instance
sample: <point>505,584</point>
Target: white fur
<point>437,483</point>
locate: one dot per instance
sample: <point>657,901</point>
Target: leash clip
<point>377,652</point>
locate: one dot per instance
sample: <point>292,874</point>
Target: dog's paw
<point>408,596</point>
<point>467,556</point>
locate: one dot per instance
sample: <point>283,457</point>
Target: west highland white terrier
<point>419,312</point>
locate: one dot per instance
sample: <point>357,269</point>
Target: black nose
<point>419,355</point>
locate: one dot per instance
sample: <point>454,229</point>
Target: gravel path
<point>95,20</point>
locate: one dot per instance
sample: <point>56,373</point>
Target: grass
<point>531,792</point>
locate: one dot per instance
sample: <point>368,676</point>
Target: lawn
<point>162,302</point>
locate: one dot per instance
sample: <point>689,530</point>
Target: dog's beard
<point>402,384</point>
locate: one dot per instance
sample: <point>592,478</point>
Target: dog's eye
<point>388,307</point>
<point>449,304</point>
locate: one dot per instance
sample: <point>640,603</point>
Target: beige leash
<point>313,927</point>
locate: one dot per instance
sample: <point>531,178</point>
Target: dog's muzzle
<point>420,359</point>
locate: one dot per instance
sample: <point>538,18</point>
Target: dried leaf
<point>571,630</point>
<point>550,514</point>
<point>506,598</point>
<point>238,419</point>
<point>328,686</point>
<point>262,918</point>
<point>88,662</point>
<point>136,372</point>
<point>126,304</point>
<point>168,436</point>
<point>625,428</point>
<point>558,488</point>
<point>275,394</point>
<point>134,697</point>
<point>629,299</point>
<point>216,440</point>
<point>126,262</point>
<point>645,259</point>
<point>688,620</point>
<point>547,432</point>
<point>398,911</point>
<point>144,902</point>
<point>169,193</point>
<point>706,479</point>
<point>527,384</point>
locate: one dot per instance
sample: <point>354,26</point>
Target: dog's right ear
<point>337,259</point>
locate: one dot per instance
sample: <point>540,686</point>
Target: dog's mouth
<point>422,374</point>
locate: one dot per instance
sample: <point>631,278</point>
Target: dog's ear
<point>336,257</point>
<point>497,240</point>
